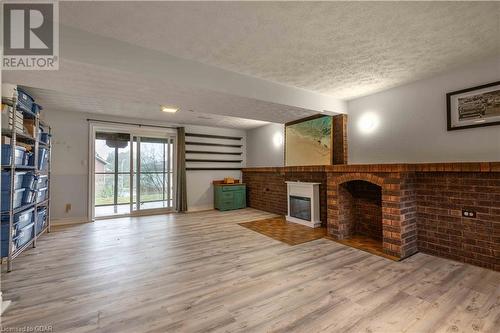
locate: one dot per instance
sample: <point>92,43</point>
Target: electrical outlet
<point>68,207</point>
<point>466,212</point>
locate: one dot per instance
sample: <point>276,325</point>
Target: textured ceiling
<point>345,49</point>
<point>51,99</point>
<point>89,88</point>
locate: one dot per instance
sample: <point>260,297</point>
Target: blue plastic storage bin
<point>19,221</point>
<point>42,194</point>
<point>4,250</point>
<point>42,181</point>
<point>43,156</point>
<point>29,196</point>
<point>41,219</point>
<point>36,108</point>
<point>24,235</point>
<point>44,137</point>
<point>24,100</point>
<point>5,231</point>
<point>18,199</point>
<point>18,156</point>
<point>30,181</point>
<point>23,218</point>
<point>18,180</point>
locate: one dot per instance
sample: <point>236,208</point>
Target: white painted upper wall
<point>410,125</point>
<point>410,122</point>
<point>265,146</point>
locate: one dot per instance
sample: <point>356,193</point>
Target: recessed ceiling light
<point>169,109</point>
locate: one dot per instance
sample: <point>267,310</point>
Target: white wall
<point>199,183</point>
<point>70,164</point>
<point>410,125</point>
<point>265,146</point>
<point>412,122</point>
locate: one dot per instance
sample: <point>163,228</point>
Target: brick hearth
<point>420,205</point>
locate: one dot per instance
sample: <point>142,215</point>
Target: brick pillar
<point>339,139</point>
<point>332,225</point>
<point>408,211</point>
<point>399,210</point>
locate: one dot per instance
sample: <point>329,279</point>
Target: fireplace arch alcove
<point>360,210</point>
<point>366,211</point>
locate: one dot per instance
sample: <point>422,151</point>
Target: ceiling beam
<point>84,47</point>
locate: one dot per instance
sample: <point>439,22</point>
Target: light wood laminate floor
<point>202,272</point>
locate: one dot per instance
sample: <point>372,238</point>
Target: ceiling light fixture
<point>168,109</point>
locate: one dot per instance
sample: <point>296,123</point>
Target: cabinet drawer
<point>233,188</point>
<point>226,205</point>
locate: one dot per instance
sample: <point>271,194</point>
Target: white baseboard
<point>200,208</point>
<point>68,220</point>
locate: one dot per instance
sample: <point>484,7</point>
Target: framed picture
<point>474,107</point>
<point>308,141</point>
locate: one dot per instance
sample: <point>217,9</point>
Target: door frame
<point>132,130</point>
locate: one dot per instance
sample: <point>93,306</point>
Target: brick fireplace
<point>378,205</point>
<point>407,207</point>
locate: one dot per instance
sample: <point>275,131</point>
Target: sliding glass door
<point>112,174</point>
<point>154,165</point>
<point>133,172</point>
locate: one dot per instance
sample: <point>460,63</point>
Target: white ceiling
<point>345,49</point>
<point>315,51</point>
<point>89,88</point>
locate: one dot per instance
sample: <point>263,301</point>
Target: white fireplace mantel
<point>305,190</point>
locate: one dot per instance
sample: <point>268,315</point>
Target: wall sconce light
<point>368,122</point>
<point>278,139</point>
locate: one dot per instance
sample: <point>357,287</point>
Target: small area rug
<point>290,233</point>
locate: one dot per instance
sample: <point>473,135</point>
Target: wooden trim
<point>221,182</point>
<point>339,139</point>
<point>332,148</point>
<point>393,167</point>
<point>214,136</point>
<point>293,122</point>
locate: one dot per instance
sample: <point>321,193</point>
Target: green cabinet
<point>229,197</point>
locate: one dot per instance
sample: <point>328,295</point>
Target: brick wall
<point>267,190</point>
<point>421,205</point>
<point>443,231</point>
